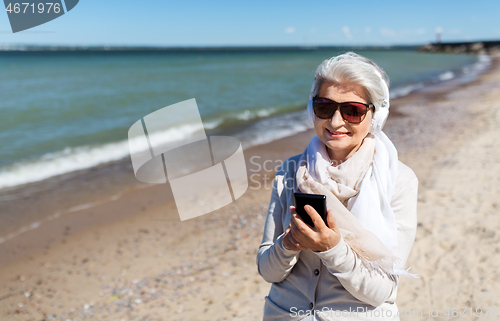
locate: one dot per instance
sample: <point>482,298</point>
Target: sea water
<point>64,111</point>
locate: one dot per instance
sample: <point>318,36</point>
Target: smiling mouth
<point>337,133</point>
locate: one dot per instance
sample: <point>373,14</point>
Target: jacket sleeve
<point>365,283</point>
<point>274,261</point>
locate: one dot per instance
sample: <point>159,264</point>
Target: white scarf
<point>364,183</point>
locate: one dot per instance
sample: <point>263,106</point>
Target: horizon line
<point>37,47</point>
<point>25,47</point>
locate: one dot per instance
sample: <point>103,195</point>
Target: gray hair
<point>353,68</point>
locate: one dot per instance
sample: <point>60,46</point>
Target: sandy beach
<point>131,258</point>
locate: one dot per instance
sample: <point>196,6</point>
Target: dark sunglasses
<point>352,112</point>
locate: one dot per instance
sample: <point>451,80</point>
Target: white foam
<point>264,113</point>
<point>212,124</point>
<point>77,158</point>
<point>73,159</point>
<point>446,76</point>
<point>469,73</point>
<point>405,90</point>
<point>245,115</point>
<point>483,62</point>
<point>253,114</point>
<point>270,129</point>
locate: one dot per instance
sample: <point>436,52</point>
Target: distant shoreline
<point>50,48</point>
<point>472,47</point>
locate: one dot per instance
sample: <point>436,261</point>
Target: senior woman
<point>348,270</point>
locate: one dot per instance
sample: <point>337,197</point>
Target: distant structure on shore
<point>463,47</point>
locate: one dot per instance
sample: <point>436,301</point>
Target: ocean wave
<point>470,72</point>
<point>484,61</point>
<point>464,75</point>
<point>251,114</point>
<point>273,128</point>
<point>73,159</point>
<point>405,90</point>
<point>446,76</point>
<point>79,158</point>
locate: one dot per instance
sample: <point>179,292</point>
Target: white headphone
<point>382,111</point>
<point>379,117</point>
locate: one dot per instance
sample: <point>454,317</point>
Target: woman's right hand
<point>290,243</point>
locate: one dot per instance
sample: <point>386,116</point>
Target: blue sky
<point>233,23</point>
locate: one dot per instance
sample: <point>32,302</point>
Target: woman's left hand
<point>318,238</point>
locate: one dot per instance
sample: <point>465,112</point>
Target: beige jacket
<point>334,282</point>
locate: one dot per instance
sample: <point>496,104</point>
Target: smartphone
<point>315,200</point>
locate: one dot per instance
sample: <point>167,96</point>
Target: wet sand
<point>132,258</point>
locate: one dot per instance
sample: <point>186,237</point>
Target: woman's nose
<point>337,119</point>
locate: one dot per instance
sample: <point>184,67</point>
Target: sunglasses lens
<point>323,108</point>
<point>353,112</point>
